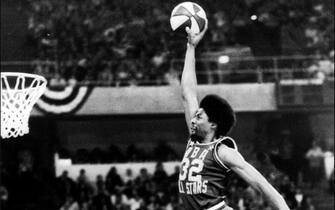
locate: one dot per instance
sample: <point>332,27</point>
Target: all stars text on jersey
<point>192,188</point>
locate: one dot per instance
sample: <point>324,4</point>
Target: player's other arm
<point>236,162</point>
<point>188,78</point>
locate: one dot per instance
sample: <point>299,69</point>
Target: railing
<point>212,69</point>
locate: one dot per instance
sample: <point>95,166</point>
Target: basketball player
<point>210,155</point>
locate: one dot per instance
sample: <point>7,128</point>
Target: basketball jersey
<point>203,177</point>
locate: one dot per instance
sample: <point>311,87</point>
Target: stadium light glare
<point>223,59</point>
<point>253,17</point>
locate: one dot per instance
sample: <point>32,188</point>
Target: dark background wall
<point>13,32</point>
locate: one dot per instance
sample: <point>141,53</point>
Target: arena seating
<point>124,43</point>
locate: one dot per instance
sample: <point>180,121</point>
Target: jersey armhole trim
<point>216,155</point>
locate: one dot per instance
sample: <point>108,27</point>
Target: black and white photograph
<point>167,105</point>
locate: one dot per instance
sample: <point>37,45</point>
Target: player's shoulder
<point>226,141</point>
<point>225,148</point>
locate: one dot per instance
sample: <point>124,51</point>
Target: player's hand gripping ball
<point>188,14</point>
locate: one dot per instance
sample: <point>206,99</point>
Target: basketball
<point>188,14</point>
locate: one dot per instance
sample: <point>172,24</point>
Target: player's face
<point>199,124</point>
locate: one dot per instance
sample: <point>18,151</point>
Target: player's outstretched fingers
<point>190,33</point>
<point>194,39</point>
<point>188,30</point>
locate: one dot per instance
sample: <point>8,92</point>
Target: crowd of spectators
<point>159,191</point>
<point>124,42</point>
<point>145,191</point>
<point>25,188</point>
<point>24,185</point>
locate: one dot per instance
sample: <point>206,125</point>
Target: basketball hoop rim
<point>17,101</point>
<point>16,74</point>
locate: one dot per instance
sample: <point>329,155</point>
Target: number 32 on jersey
<point>190,181</point>
<point>191,169</point>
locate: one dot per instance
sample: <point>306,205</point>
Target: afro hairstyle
<point>220,112</point>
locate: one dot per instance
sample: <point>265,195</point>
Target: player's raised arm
<point>189,79</point>
<point>236,162</point>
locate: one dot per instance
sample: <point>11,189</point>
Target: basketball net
<point>19,93</point>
